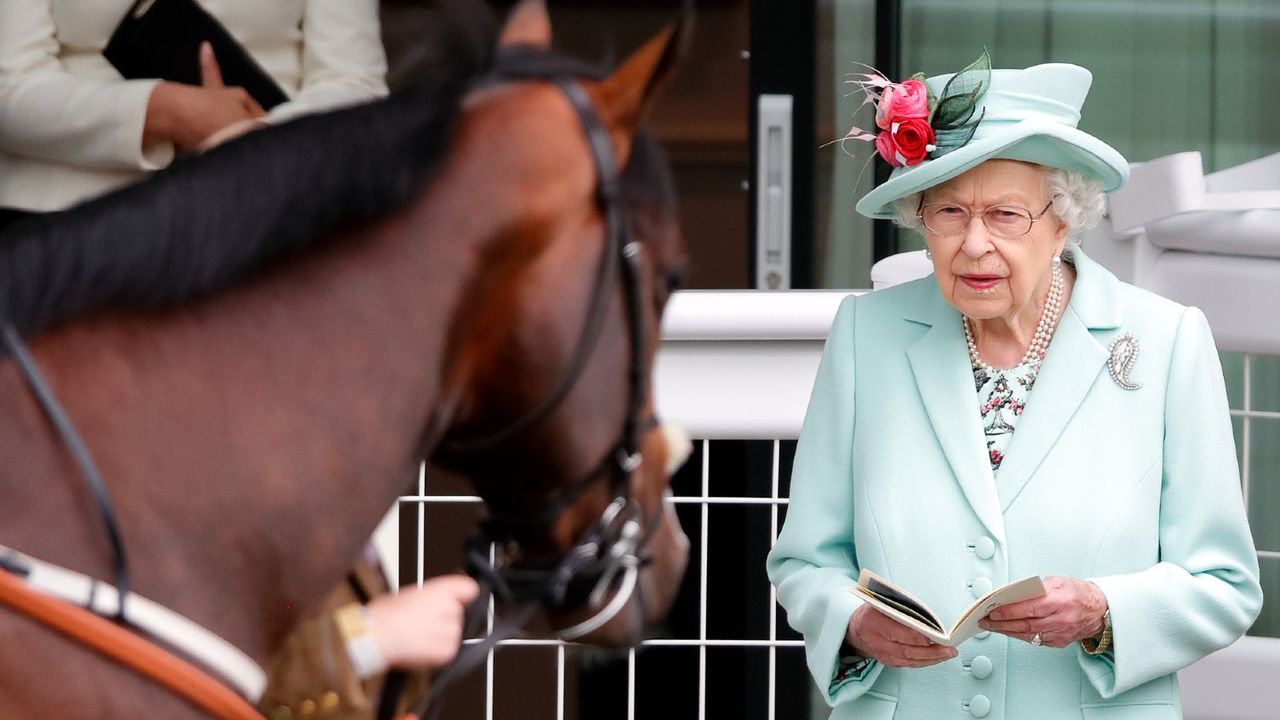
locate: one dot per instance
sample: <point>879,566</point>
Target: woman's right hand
<point>875,635</point>
<point>186,115</point>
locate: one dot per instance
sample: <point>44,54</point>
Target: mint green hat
<point>1029,115</point>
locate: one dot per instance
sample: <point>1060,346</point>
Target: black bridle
<point>611,551</point>
<point>548,581</point>
<point>624,456</point>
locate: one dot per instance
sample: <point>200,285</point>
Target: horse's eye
<point>674,279</point>
<point>671,280</point>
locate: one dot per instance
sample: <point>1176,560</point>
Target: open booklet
<point>906,609</point>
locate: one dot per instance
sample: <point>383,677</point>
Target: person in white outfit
<point>72,128</point>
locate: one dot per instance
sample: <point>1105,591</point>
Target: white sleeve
<point>50,114</point>
<point>343,61</point>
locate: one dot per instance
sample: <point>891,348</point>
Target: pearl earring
<point>1057,263</point>
<point>928,254</point>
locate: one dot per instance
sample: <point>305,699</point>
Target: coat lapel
<point>940,364</point>
<point>1072,364</point>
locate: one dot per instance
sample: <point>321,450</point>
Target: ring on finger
<point>1036,640</point>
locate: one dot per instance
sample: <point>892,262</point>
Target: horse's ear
<point>626,95</point>
<point>528,25</point>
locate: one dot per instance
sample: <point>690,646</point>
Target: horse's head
<point>553,413</point>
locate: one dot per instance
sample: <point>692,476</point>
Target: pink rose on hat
<point>902,101</point>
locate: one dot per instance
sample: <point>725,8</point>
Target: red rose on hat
<point>906,142</point>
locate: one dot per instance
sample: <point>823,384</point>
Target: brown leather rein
<point>117,643</point>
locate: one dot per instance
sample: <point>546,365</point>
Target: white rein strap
<point>226,660</point>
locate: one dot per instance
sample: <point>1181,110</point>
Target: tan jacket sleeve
<point>311,675</point>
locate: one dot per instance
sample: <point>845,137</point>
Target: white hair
<point>1078,201</point>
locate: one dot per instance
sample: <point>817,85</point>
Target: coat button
<point>980,586</point>
<point>982,635</point>
<point>979,706</point>
<point>981,667</point>
<point>984,548</point>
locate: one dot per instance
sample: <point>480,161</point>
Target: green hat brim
<point>1036,141</point>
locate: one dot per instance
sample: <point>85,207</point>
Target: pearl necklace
<point>1044,330</point>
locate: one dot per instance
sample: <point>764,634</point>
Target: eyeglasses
<point>1003,221</point>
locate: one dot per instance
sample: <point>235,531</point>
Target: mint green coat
<point>1137,491</point>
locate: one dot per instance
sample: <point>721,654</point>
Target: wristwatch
<point>1102,644</point>
<point>357,632</point>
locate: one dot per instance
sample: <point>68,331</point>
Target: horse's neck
<point>252,440</point>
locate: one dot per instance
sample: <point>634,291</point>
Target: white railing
<point>739,364</point>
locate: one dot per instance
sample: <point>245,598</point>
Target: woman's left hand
<point>1070,610</point>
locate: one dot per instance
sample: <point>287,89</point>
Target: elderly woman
<point>997,420</point>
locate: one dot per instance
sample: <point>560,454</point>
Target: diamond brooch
<point>1124,353</point>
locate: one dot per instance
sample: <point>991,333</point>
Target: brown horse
<point>254,412</point>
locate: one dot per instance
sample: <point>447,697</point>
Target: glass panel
<point>843,171</point>
<point>1233,373</point>
<point>1264,383</point>
<point>1243,100</point>
<point>1268,622</point>
<point>1237,429</point>
<point>1264,482</point>
<point>1170,76</point>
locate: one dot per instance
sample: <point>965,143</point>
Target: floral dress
<point>1002,396</point>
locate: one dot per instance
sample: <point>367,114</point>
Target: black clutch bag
<point>161,39</point>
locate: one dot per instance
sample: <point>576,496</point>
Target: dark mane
<point>210,220</point>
